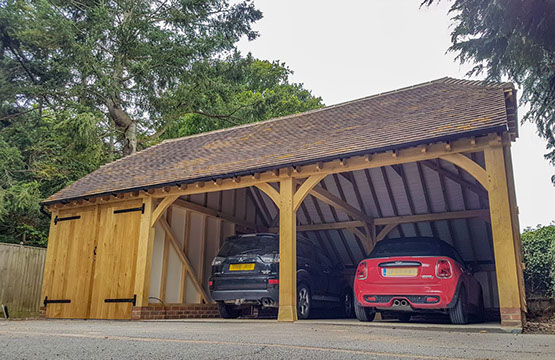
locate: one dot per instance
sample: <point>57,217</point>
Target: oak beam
<point>287,252</point>
<point>144,254</point>
<point>386,230</point>
<point>482,213</point>
<point>161,208</point>
<point>506,258</point>
<point>325,196</point>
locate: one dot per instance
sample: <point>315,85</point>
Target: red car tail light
<point>362,271</point>
<point>210,283</point>
<point>443,269</point>
<point>273,281</point>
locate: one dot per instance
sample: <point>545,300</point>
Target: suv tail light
<point>362,271</point>
<point>443,269</point>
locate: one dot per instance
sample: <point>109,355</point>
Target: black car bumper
<point>245,294</point>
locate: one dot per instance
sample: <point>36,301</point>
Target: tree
<point>130,60</point>
<point>513,39</point>
<point>241,90</point>
<point>40,155</point>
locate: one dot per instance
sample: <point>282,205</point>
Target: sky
<point>349,49</point>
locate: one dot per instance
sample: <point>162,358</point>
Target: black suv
<point>246,273</point>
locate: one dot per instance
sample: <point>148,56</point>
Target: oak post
<point>287,252</point>
<point>503,237</point>
<point>144,254</point>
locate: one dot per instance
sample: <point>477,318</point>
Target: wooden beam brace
<point>386,230</point>
<point>325,196</point>
<point>363,238</point>
<point>218,214</point>
<point>471,167</point>
<point>270,191</point>
<point>455,177</point>
<point>307,186</point>
<point>183,258</point>
<point>161,208</point>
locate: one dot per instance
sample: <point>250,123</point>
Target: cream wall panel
<point>173,282</point>
<point>157,256</point>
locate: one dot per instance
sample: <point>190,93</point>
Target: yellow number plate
<point>241,267</point>
<point>403,271</point>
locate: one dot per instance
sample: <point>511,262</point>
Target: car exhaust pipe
<point>404,303</point>
<point>267,302</point>
<point>396,303</point>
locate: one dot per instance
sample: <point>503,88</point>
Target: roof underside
<point>440,110</point>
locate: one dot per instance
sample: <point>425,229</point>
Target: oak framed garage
<point>135,238</point>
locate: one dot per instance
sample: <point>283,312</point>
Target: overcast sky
<point>344,50</point>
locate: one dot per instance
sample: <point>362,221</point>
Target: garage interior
<point>429,160</point>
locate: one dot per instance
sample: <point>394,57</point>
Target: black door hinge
<point>58,219</point>
<point>46,301</point>
<point>141,209</point>
<point>133,300</point>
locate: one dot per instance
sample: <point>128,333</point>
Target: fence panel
<point>21,273</point>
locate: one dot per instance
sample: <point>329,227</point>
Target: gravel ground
<point>256,339</point>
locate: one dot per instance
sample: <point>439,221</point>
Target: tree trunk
<point>125,125</point>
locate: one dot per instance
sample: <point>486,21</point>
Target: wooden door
<point>116,257</point>
<point>69,263</point>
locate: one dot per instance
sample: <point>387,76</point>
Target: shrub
<point>539,256</point>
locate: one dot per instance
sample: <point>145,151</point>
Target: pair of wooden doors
<point>91,261</point>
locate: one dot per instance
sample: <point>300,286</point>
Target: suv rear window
<point>414,247</point>
<point>260,245</point>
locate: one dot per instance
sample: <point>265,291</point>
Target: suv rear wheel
<point>364,313</point>
<point>304,301</point>
<point>228,311</point>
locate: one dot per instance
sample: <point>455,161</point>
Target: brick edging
<point>177,311</point>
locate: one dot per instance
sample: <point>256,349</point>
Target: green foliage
<point>539,257</point>
<point>514,39</point>
<point>40,155</point>
<point>85,82</point>
<point>240,90</point>
<point>127,58</point>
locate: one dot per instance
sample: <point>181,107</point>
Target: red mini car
<point>420,274</point>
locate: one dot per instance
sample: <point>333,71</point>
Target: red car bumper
<point>431,296</point>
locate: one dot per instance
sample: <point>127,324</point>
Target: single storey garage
<point>135,238</point>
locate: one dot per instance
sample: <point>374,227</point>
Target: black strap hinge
<point>46,301</point>
<point>58,219</point>
<point>141,209</point>
<point>133,300</point>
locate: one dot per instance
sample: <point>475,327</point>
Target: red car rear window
<point>414,246</point>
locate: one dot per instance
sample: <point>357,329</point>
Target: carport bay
<point>433,159</point>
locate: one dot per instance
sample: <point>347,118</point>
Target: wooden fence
<point>21,273</point>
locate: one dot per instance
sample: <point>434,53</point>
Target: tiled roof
<point>438,110</point>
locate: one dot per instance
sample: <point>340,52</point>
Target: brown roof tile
<point>442,109</point>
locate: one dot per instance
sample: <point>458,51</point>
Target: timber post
<point>144,254</point>
<point>287,252</point>
<point>506,264</point>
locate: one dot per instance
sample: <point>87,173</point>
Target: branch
<point>154,136</point>
<point>17,114</point>
<point>227,118</point>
